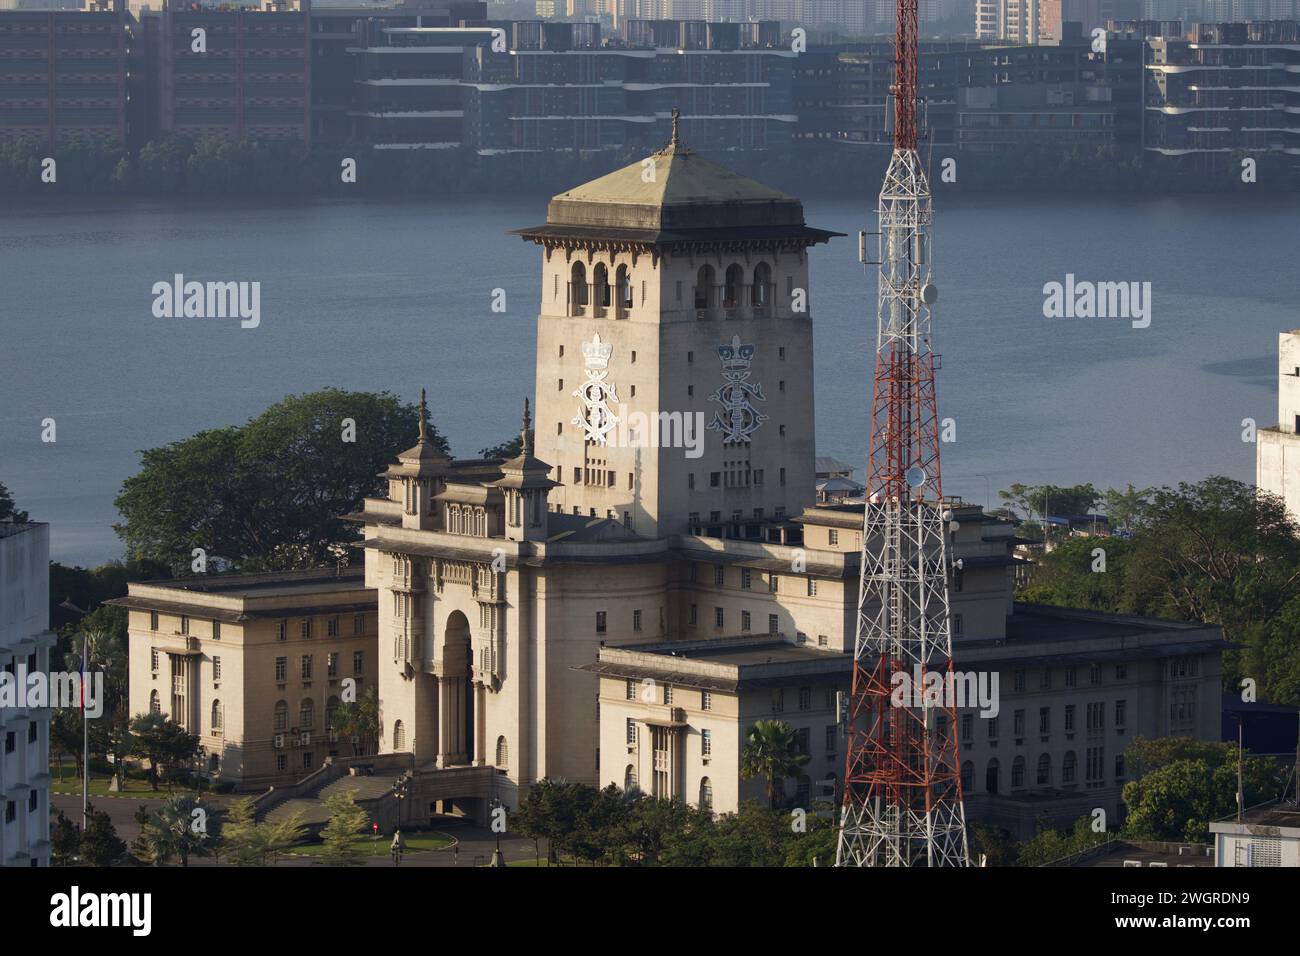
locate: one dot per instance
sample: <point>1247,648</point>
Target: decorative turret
<point>422,471</point>
<point>525,482</point>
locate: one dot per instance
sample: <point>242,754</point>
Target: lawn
<point>64,779</point>
<point>415,843</point>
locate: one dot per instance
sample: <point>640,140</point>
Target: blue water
<point>398,296</point>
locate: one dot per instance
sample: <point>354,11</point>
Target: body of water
<point>398,296</point>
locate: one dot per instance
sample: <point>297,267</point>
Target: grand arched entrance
<point>456,702</point>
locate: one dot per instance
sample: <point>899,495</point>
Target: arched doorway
<point>457,709</point>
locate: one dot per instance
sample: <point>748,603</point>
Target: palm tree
<point>772,751</point>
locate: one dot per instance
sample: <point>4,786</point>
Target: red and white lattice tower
<point>902,782</point>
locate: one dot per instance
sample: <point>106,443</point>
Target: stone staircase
<point>307,797</point>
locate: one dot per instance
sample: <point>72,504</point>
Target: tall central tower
<point>902,783</point>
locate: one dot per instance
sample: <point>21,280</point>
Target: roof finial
<point>424,434</point>
<point>525,440</point>
<point>676,138</point>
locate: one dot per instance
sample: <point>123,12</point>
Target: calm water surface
<point>388,296</point>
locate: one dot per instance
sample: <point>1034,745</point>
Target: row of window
<point>333,627</point>
<point>637,690</point>
<point>1046,676</point>
<point>1094,771</point>
<point>1095,721</point>
<point>306,665</point>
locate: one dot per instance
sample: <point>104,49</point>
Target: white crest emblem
<point>739,418</point>
<point>596,418</point>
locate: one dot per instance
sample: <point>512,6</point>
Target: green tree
<point>8,510</point>
<point>65,840</point>
<point>552,811</point>
<point>507,449</point>
<point>106,654</point>
<point>240,840</point>
<point>1042,500</point>
<point>1050,844</point>
<point>1126,509</point>
<point>360,719</point>
<point>100,845</point>
<point>163,742</point>
<point>245,842</point>
<point>1178,801</point>
<point>270,494</point>
<point>995,844</point>
<point>772,751</point>
<point>342,835</point>
<point>180,828</point>
<point>276,836</point>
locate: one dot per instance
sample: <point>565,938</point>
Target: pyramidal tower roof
<point>674,194</point>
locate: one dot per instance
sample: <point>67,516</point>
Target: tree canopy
<point>270,494</point>
<point>8,510</point>
<point>1217,552</point>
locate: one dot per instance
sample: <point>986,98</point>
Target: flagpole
<point>85,741</point>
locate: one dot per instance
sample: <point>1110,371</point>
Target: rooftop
<point>243,597</point>
<point>268,584</point>
<point>1278,815</point>
<point>10,528</point>
<point>726,664</point>
<point>674,195</point>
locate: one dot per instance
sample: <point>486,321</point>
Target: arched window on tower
<point>1044,770</point>
<point>217,715</point>
<point>629,778</point>
<point>503,754</point>
<point>705,293</point>
<point>992,777</point>
<point>306,714</point>
<point>706,794</point>
<point>281,716</point>
<point>578,289</point>
<point>1017,773</point>
<point>155,706</point>
<point>967,776</point>
<point>1067,767</point>
<point>399,737</point>
<point>760,293</point>
<point>623,282</point>
<point>600,282</point>
<point>731,290</point>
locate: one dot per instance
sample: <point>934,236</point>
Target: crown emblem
<point>597,353</point>
<point>736,357</point>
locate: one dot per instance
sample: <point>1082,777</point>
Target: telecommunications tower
<point>902,781</point>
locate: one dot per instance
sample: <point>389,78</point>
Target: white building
<point>25,642</point>
<point>1266,836</point>
<point>1277,454</point>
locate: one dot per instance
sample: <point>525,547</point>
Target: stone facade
<point>254,664</point>
<point>564,613</point>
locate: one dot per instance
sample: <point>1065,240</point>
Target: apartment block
<point>64,73</point>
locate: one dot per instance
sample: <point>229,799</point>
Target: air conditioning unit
<point>306,738</point>
<point>278,741</point>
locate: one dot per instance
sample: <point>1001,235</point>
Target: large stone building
<point>25,643</point>
<point>650,575</point>
<point>254,665</point>
<point>1277,452</point>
